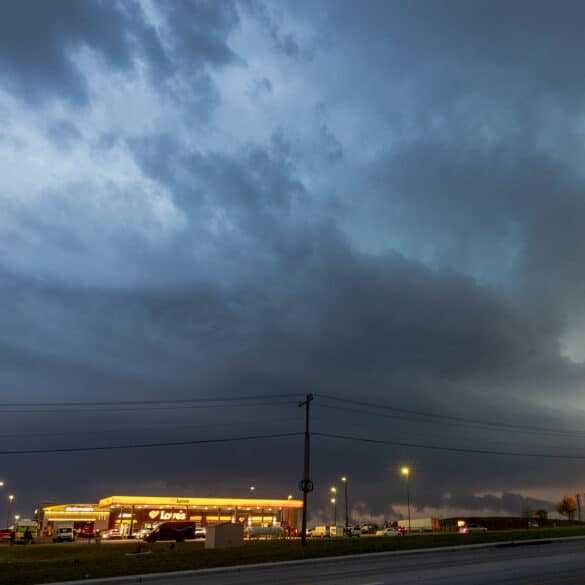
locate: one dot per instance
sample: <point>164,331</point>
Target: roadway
<point>559,562</point>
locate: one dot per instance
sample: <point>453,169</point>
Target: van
<point>320,532</point>
<point>178,531</point>
<point>64,534</point>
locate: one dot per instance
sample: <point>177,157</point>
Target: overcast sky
<point>371,201</point>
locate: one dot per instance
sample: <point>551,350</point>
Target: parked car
<point>289,530</point>
<point>469,528</point>
<point>111,534</point>
<point>178,531</point>
<point>353,530</point>
<point>64,534</point>
<point>200,532</point>
<point>86,531</point>
<point>388,532</point>
<point>369,528</point>
<point>142,533</point>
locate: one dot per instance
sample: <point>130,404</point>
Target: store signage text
<point>78,509</point>
<point>167,515</point>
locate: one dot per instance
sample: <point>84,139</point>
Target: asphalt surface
<point>547,563</point>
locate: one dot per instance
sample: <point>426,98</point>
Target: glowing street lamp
<point>345,482</point>
<point>252,489</point>
<point>406,472</point>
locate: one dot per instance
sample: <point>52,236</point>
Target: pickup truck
<point>353,531</point>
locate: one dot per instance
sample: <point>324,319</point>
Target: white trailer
<point>21,527</point>
<point>419,524</point>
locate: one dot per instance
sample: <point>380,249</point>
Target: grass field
<point>39,563</point>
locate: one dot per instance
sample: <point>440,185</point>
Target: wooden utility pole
<point>306,485</point>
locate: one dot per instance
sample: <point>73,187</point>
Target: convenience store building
<point>132,513</point>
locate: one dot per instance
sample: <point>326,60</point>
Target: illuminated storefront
<point>132,513</point>
<point>79,515</point>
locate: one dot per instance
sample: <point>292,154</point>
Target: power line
<point>138,408</point>
<point>441,448</point>
<point>451,418</point>
<point>151,445</point>
<point>493,426</point>
<point>139,402</point>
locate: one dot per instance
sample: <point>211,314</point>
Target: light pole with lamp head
<point>10,500</point>
<point>288,514</point>
<point>1,486</point>
<point>334,502</point>
<point>345,482</point>
<point>406,472</point>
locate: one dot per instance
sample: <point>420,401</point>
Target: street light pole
<point>345,482</point>
<point>406,472</point>
<point>10,500</point>
<point>1,486</point>
<point>334,502</point>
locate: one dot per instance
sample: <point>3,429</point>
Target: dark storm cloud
<point>384,324</point>
<point>198,31</point>
<point>506,210</point>
<point>524,204</point>
<point>36,39</point>
<point>252,196</point>
<point>513,504</point>
<point>39,41</point>
<point>387,312</point>
<point>539,43</point>
<point>481,106</point>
